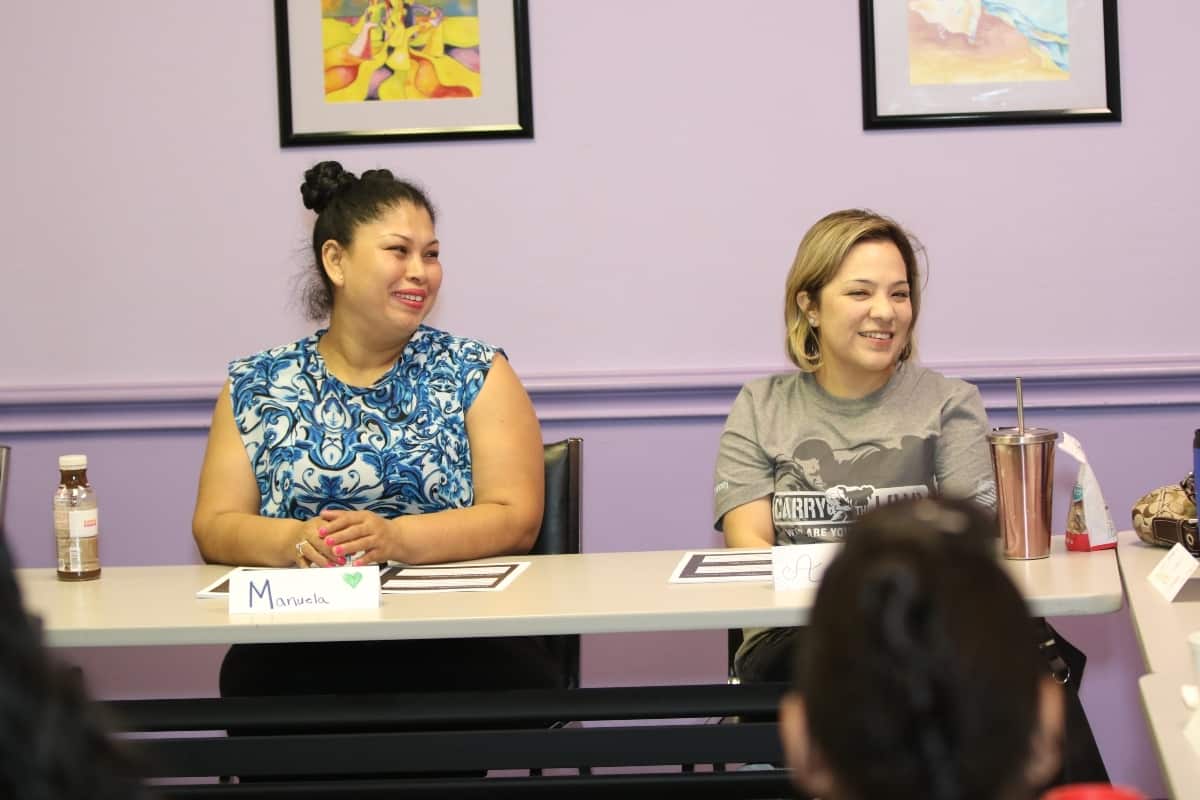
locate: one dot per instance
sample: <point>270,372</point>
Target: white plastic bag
<point>1089,525</point>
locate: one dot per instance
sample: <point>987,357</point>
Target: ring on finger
<point>300,548</point>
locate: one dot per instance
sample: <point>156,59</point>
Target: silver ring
<point>300,548</point>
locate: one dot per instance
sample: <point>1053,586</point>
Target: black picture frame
<point>1001,103</point>
<point>305,118</point>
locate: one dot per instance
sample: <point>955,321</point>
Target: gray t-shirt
<point>825,460</point>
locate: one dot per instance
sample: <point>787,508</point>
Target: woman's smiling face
<point>391,272</point>
<point>863,318</point>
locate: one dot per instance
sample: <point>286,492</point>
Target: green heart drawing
<point>352,578</point>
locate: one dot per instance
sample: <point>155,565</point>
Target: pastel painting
<point>987,41</point>
<point>385,50</point>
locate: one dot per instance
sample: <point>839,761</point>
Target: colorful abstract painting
<point>386,50</point>
<point>987,41</point>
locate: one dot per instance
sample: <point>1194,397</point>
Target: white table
<point>1167,715</point>
<point>560,594</point>
<point>563,594</point>
<point>1162,627</point>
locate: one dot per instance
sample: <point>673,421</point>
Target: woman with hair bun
<point>918,679</point>
<point>376,438</point>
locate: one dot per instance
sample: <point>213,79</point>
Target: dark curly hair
<point>54,743</point>
<point>920,675</point>
<point>343,201</point>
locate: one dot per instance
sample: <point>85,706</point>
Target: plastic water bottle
<point>76,522</point>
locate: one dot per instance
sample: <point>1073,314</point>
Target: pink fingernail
<point>322,532</point>
<point>342,559</point>
<point>338,549</point>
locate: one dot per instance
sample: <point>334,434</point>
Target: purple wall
<point>681,151</point>
<point>153,228</point>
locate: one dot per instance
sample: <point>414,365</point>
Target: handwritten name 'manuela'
<point>267,597</point>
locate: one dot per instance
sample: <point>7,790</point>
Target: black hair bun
<point>378,175</point>
<point>322,182</point>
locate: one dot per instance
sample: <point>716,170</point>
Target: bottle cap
<point>72,462</point>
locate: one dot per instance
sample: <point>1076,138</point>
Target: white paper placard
<point>408,579</point>
<point>1173,572</point>
<point>800,566</point>
<point>284,591</point>
<point>722,566</point>
<point>220,587</point>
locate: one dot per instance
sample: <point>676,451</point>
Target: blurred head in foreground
<point>53,743</point>
<point>921,678</point>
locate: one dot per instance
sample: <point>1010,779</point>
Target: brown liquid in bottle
<point>76,523</point>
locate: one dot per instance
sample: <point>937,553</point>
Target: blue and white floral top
<point>397,447</point>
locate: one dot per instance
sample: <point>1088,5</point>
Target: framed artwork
<point>928,63</point>
<point>363,71</point>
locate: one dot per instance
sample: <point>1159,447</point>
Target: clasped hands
<point>337,538</point>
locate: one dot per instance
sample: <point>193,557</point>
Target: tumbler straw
<point>1020,409</point>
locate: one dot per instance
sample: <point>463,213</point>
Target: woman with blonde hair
<point>859,425</point>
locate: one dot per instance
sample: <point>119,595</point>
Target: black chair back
<point>4,452</point>
<point>733,641</point>
<point>559,534</point>
<point>560,520</point>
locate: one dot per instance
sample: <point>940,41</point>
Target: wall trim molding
<point>617,395</point>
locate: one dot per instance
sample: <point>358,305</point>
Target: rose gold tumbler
<point>1024,462</point>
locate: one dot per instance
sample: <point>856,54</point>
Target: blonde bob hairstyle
<point>821,253</point>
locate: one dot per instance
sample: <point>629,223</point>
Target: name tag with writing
<point>280,591</point>
<point>800,566</point>
<point>1173,572</point>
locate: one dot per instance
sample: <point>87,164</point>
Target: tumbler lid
<point>1018,436</point>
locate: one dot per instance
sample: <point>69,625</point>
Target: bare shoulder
<point>501,385</point>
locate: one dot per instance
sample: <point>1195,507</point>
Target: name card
<point>800,566</point>
<point>1173,572</point>
<point>281,591</point>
